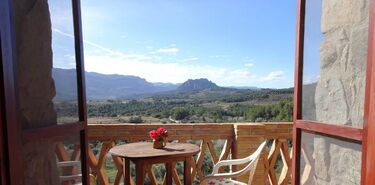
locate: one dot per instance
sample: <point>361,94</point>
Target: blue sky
<point>232,43</point>
<point>313,39</point>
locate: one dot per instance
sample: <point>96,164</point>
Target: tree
<point>135,119</point>
<point>180,114</point>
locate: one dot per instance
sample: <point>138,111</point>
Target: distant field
<point>120,119</point>
<point>205,106</point>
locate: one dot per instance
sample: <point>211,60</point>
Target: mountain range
<point>102,86</point>
<point>196,85</point>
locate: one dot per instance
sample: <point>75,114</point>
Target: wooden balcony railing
<point>237,141</point>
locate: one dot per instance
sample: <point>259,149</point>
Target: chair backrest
<point>73,179</point>
<point>253,164</point>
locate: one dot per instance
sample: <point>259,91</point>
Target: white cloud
<point>274,76</point>
<point>66,62</point>
<point>309,78</point>
<point>102,48</point>
<point>173,72</point>
<point>108,61</point>
<point>149,47</point>
<point>166,72</point>
<point>62,33</point>
<point>189,59</point>
<point>239,77</point>
<point>248,59</point>
<point>172,50</point>
<point>248,65</point>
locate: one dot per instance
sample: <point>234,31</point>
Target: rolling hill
<point>101,86</point>
<point>104,87</point>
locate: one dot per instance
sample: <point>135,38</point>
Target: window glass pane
<point>64,62</point>
<point>69,160</point>
<point>39,50</point>
<point>52,161</point>
<point>62,34</point>
<point>335,57</point>
<point>326,160</point>
<point>46,66</point>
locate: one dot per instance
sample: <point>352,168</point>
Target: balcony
<point>237,140</point>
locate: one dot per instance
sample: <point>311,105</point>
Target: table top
<point>145,150</point>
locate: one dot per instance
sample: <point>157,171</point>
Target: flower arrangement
<point>158,136</point>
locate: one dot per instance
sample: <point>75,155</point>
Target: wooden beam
<point>336,131</point>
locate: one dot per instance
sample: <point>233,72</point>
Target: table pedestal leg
<point>168,177</point>
<point>139,173</point>
<point>187,171</point>
<point>126,172</point>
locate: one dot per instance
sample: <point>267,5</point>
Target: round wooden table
<point>143,154</point>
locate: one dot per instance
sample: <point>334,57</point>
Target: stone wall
<point>339,95</point>
<point>343,55</point>
<point>36,88</point>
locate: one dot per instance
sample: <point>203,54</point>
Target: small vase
<point>159,144</point>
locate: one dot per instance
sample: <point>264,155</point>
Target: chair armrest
<point>223,175</point>
<point>250,158</point>
<point>227,175</point>
<point>252,161</point>
<point>232,162</point>
<point>243,171</point>
<point>68,163</point>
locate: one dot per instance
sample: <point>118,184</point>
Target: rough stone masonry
<point>339,95</point>
<point>36,88</point>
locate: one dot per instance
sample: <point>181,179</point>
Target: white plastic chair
<point>76,178</point>
<point>216,178</point>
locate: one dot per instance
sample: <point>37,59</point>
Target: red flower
<point>161,129</point>
<point>153,134</point>
<point>165,134</point>
<point>162,132</point>
<point>159,134</point>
